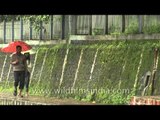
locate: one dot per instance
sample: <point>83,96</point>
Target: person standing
<point>18,61</point>
<point>27,72</point>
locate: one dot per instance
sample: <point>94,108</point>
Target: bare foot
<point>27,95</point>
<point>20,95</point>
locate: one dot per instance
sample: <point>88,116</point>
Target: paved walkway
<point>45,100</point>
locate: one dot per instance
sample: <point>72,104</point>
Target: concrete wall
<point>111,65</point>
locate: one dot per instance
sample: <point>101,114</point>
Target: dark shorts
<point>19,79</point>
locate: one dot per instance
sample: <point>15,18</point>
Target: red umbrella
<point>11,47</point>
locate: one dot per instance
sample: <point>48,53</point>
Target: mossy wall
<point>118,65</point>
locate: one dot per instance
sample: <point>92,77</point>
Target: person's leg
<point>16,81</point>
<point>27,80</point>
<point>22,80</point>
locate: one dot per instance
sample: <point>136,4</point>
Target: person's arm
<point>25,64</point>
<point>14,60</point>
<point>28,63</point>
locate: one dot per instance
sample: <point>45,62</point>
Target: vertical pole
<point>106,25</point>
<point>13,30</point>
<point>73,24</point>
<point>90,25</point>
<point>63,27</point>
<point>140,23</point>
<point>4,28</point>
<point>51,35</point>
<point>21,28</point>
<point>76,25</point>
<point>123,23</point>
<point>30,30</point>
<point>40,35</point>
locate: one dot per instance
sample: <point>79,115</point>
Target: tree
<point>8,18</point>
<point>35,20</point>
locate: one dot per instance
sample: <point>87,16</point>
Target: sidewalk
<point>42,100</point>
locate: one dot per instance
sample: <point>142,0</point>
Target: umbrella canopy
<point>11,47</point>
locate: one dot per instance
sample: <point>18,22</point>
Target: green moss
<point>85,68</point>
<point>57,69</point>
<point>38,65</point>
<point>116,67</point>
<point>71,66</point>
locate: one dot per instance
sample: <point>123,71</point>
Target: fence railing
<point>61,26</point>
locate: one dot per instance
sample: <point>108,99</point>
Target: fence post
<point>40,35</point>
<point>106,25</point>
<point>123,23</point>
<point>140,23</point>
<point>30,30</point>
<point>21,28</point>
<point>51,36</point>
<point>63,27</point>
<point>72,24</point>
<point>90,25</point>
<point>13,30</point>
<point>4,28</point>
<point>75,24</point>
<point>69,26</point>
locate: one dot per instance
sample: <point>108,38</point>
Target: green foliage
<point>132,28</point>
<point>36,20</point>
<point>97,31</point>
<point>115,30</point>
<point>6,87</point>
<point>8,17</point>
<point>107,96</point>
<point>154,28</point>
<point>107,74</point>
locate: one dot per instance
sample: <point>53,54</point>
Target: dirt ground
<point>47,100</point>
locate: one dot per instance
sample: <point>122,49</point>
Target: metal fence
<point>61,26</point>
